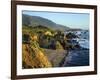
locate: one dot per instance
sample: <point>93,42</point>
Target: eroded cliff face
<point>34,57</point>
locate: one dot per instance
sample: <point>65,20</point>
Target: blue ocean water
<point>77,58</point>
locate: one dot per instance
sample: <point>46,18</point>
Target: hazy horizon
<point>72,20</point>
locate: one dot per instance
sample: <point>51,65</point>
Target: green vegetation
<point>45,45</point>
<point>34,57</point>
<point>35,41</point>
<point>58,45</point>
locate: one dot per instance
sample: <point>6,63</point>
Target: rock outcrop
<point>34,57</point>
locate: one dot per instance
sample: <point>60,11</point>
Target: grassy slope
<point>34,57</point>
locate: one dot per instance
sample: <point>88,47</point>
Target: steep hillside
<point>28,20</point>
<point>34,57</point>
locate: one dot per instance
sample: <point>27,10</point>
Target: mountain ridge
<point>37,20</point>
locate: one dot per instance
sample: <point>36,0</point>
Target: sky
<point>72,20</point>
